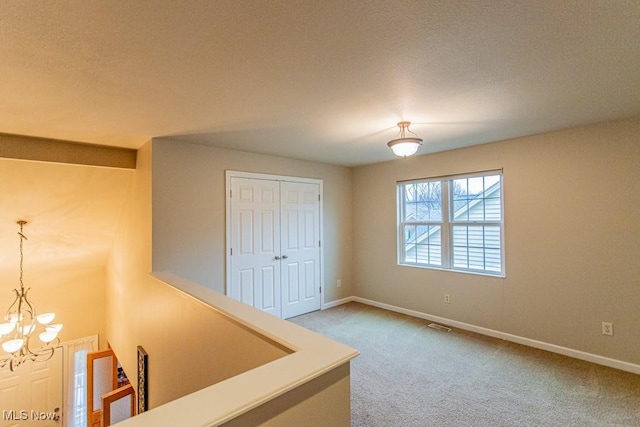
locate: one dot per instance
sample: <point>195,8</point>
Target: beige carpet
<point>412,375</point>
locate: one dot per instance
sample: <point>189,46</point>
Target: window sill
<point>475,273</point>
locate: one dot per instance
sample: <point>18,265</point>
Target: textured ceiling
<point>320,80</point>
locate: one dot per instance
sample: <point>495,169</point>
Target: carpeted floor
<point>411,375</point>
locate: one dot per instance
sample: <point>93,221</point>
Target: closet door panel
<point>255,243</point>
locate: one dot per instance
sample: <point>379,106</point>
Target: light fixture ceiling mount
<point>403,145</point>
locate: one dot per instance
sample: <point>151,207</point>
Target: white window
<point>453,223</point>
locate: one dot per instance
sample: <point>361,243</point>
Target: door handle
<point>284,257</point>
<point>277,258</point>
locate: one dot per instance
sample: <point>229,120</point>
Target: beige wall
<point>189,211</point>
<point>571,203</point>
<point>78,298</point>
<point>72,213</point>
<point>190,345</point>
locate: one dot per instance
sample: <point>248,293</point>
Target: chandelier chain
<point>22,237</point>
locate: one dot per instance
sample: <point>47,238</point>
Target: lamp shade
<point>404,146</point>
<point>48,336</point>
<point>7,327</point>
<point>46,318</point>
<point>12,346</point>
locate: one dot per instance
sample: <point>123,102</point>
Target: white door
<point>300,246</point>
<point>32,394</point>
<point>255,243</point>
<point>273,244</point>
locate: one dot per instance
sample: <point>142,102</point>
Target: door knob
<point>284,257</point>
<point>277,258</point>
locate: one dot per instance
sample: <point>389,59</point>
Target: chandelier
<point>21,324</point>
<point>404,146</point>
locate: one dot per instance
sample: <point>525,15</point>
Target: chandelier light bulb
<point>7,328</point>
<point>12,346</point>
<point>45,318</point>
<point>48,336</point>
<point>54,328</point>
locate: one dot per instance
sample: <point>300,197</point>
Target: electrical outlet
<point>339,283</point>
<point>607,328</point>
<point>447,299</point>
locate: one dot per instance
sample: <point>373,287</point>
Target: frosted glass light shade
<point>57,327</point>
<point>27,330</point>
<point>404,147</point>
<point>12,346</point>
<point>48,336</point>
<point>46,318</point>
<point>6,328</point>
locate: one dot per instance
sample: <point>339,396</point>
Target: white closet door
<point>255,243</point>
<point>300,247</point>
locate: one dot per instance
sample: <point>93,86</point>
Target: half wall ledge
<point>314,377</point>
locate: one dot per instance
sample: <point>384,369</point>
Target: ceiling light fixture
<point>21,323</point>
<point>404,146</point>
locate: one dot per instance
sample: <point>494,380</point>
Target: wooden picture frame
<point>143,389</point>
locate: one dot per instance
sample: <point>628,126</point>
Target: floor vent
<point>439,327</point>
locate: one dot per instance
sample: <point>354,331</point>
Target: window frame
<point>448,223</point>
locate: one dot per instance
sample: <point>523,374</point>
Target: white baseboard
<point>577,354</point>
<point>337,302</point>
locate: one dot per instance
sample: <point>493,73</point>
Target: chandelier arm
<point>15,301</point>
<point>30,309</point>
<point>412,132</point>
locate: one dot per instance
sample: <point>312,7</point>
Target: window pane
<point>476,210</point>
<point>435,254</point>
<point>480,203</point>
<point>460,257</point>
<point>477,248</point>
<point>476,258</point>
<point>475,186</point>
<point>422,232</point>
<point>425,201</point>
<point>410,193</point>
<point>459,189</point>
<point>410,214</point>
<point>493,209</point>
<point>492,260</point>
<point>424,246</point>
<point>492,237</point>
<point>490,181</point>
